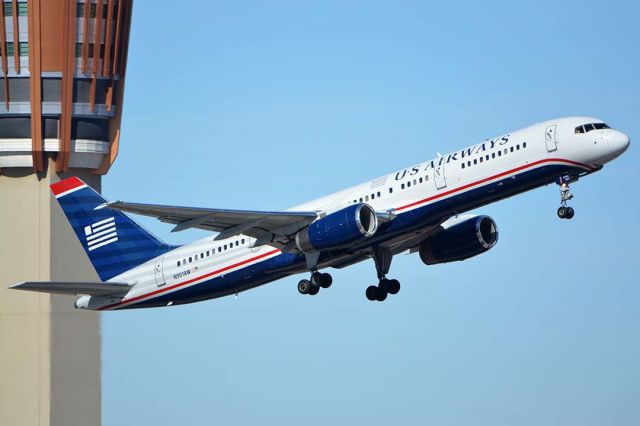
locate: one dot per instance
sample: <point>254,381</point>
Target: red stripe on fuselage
<point>66,185</point>
<point>182,284</point>
<point>484,180</point>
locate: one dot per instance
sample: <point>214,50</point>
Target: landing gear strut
<point>564,211</point>
<point>382,258</point>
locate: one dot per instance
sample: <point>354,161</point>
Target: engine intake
<point>339,229</point>
<point>461,241</point>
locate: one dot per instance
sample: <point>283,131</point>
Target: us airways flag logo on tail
<point>101,233</point>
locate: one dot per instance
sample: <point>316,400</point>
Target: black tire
<point>382,295</point>
<point>316,277</point>
<point>325,280</point>
<point>562,212</point>
<point>394,286</point>
<point>314,289</point>
<point>570,212</point>
<point>372,293</point>
<point>304,286</point>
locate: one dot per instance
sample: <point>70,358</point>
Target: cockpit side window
<point>580,129</point>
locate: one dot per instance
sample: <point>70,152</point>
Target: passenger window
<point>505,151</point>
<point>242,241</point>
<point>366,198</point>
<point>475,161</point>
<point>426,178</point>
<point>469,163</point>
<point>511,149</point>
<point>481,159</point>
<point>415,182</point>
<point>190,259</point>
<point>524,144</point>
<point>487,157</point>
<point>219,249</point>
<point>499,153</point>
<point>225,247</point>
<point>360,199</point>
<point>201,255</point>
<point>178,263</point>
<point>378,193</point>
<point>462,165</point>
<point>518,147</point>
<point>237,243</point>
<point>409,184</point>
<point>390,190</point>
<point>493,155</point>
<point>420,180</point>
<point>402,186</point>
<point>373,196</point>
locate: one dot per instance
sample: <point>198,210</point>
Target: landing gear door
<point>157,272</point>
<point>550,138</point>
<point>438,176</point>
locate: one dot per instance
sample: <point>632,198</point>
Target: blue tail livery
<point>113,242</point>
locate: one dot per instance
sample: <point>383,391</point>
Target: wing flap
<point>68,287</point>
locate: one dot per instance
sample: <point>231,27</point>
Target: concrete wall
<point>49,352</point>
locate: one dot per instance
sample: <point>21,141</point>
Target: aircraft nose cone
<point>619,142</point>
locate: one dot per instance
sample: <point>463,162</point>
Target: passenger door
<point>550,138</point>
<point>157,272</point>
<point>438,176</point>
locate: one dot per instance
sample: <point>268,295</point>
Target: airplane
<point>422,209</point>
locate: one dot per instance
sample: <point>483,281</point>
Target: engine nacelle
<point>339,229</point>
<point>460,241</point>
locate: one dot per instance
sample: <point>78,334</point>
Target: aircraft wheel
<point>382,295</point>
<point>314,289</point>
<point>326,280</point>
<point>393,286</point>
<point>562,212</point>
<point>304,286</point>
<point>372,293</point>
<point>570,212</point>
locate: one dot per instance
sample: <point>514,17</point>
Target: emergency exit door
<point>157,272</point>
<point>550,138</point>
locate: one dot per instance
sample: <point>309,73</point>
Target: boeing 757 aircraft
<point>418,209</point>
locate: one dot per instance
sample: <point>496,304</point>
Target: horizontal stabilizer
<point>65,287</point>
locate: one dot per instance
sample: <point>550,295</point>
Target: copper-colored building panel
<point>52,34</point>
<point>66,99</point>
<point>37,150</point>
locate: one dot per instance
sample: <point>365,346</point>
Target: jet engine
<point>460,241</point>
<point>339,229</point>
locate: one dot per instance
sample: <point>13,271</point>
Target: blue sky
<point>264,105</point>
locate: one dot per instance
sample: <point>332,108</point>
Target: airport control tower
<point>61,91</point>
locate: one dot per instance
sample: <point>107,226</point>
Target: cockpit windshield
<point>591,126</point>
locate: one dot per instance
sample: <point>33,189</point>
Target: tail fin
<point>113,242</point>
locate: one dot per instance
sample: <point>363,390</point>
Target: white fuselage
<point>541,153</point>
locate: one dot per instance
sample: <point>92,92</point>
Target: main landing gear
<point>382,258</point>
<point>312,286</point>
<point>565,212</point>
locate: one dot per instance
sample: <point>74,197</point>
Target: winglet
<point>67,186</point>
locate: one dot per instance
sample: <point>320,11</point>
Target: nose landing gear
<point>564,211</point>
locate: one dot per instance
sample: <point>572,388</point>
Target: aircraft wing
<point>266,227</point>
<point>67,287</point>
